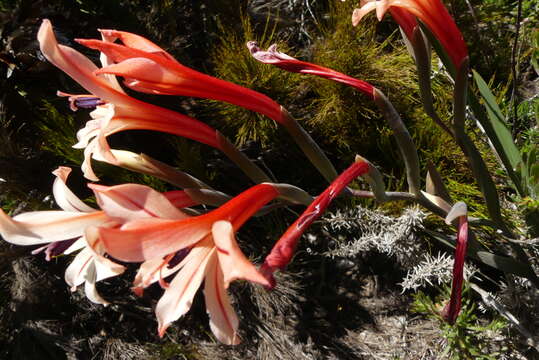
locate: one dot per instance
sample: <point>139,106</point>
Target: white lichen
<point>373,230</point>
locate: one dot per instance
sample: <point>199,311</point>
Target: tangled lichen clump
<point>372,230</point>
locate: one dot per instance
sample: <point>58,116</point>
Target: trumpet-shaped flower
<point>148,68</point>
<point>73,228</point>
<point>120,112</point>
<point>288,63</point>
<point>431,12</point>
<point>208,252</point>
<point>63,231</point>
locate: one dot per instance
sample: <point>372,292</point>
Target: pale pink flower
<point>208,252</point>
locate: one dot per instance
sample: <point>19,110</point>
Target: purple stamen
<point>87,102</point>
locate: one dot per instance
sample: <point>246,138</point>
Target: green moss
<point>58,132</point>
<point>172,350</point>
<point>234,63</point>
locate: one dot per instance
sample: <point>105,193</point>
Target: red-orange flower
<point>148,68</point>
<point>431,12</point>
<point>120,111</point>
<point>288,63</point>
<point>209,251</point>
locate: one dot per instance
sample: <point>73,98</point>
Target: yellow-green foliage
<point>347,118</point>
<point>234,63</point>
<point>466,339</point>
<point>351,121</point>
<point>343,120</point>
<point>58,132</point>
<point>173,350</point>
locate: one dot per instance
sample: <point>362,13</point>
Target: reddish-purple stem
<point>452,309</point>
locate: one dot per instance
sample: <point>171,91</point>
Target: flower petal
<point>76,65</point>
<point>40,227</point>
<point>134,201</point>
<point>76,246</point>
<point>136,42</point>
<point>358,14</point>
<point>89,286</point>
<point>106,61</point>
<point>232,261</point>
<point>76,271</point>
<point>223,319</point>
<point>180,198</point>
<point>146,239</point>
<point>154,270</point>
<point>381,8</point>
<point>63,196</point>
<point>144,70</point>
<point>177,299</point>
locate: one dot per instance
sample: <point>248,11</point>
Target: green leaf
<point>495,130</point>
<point>505,264</point>
<point>501,136</point>
<point>483,179</point>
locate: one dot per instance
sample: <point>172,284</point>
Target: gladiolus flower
<point>148,68</point>
<point>120,112</point>
<point>64,233</point>
<point>70,230</point>
<point>431,12</point>
<point>452,309</point>
<point>282,252</point>
<point>210,253</point>
<point>288,63</point>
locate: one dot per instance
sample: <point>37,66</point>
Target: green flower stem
<point>145,164</point>
<point>374,179</point>
<point>208,197</point>
<point>473,156</point>
<point>293,194</point>
<point>399,195</point>
<point>309,147</point>
<point>250,169</point>
<point>459,97</point>
<point>422,60</point>
<point>405,143</point>
<point>288,194</point>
